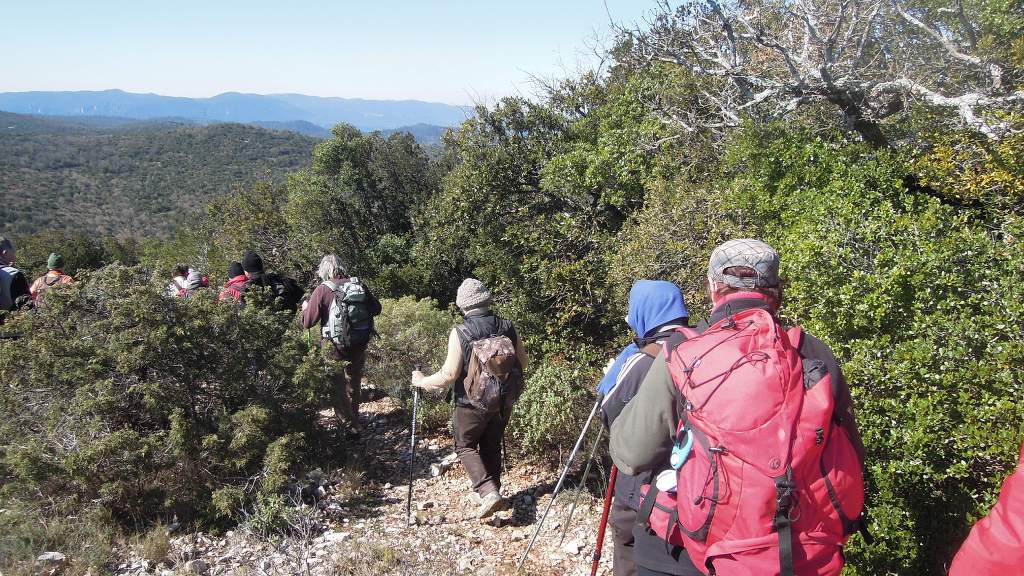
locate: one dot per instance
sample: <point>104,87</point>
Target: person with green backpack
<point>344,309</point>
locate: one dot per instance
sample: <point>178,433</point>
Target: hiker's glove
<point>417,377</point>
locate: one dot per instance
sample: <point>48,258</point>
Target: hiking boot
<point>490,504</point>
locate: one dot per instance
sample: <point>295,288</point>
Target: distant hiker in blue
<point>656,309</point>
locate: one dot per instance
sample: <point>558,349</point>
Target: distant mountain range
<point>294,112</point>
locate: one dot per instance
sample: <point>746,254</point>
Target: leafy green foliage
<point>141,407</point>
<point>81,251</point>
<point>555,402</point>
<point>411,332</point>
<point>133,183</point>
<point>919,299</point>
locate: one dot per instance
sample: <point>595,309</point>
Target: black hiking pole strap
<point>561,479</point>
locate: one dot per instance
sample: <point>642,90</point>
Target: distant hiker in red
<point>756,422</point>
<point>54,276</point>
<point>486,361</point>
<point>996,543</point>
<point>232,291</point>
<point>344,309</point>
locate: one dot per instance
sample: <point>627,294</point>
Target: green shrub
<point>921,300</point>
<point>121,402</point>
<point>557,399</point>
<point>411,332</point>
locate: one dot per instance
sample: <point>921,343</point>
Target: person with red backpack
<point>756,422</point>
<point>232,291</point>
<point>996,543</point>
<point>486,362</point>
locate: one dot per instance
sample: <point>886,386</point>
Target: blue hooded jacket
<point>652,303</point>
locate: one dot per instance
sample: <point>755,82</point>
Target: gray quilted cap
<point>748,253</point>
<point>472,294</point>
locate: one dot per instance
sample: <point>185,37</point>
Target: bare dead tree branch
<point>869,58</point>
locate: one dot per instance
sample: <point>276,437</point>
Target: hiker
<point>14,288</point>
<point>232,291</point>
<point>54,275</point>
<point>656,311</point>
<point>344,308</point>
<point>179,281</point>
<point>722,404</point>
<point>286,291</point>
<point>194,281</point>
<point>484,392</point>
<point>996,543</point>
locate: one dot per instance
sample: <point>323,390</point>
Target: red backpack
<point>996,543</point>
<point>766,482</point>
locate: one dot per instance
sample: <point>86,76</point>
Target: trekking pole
<point>412,450</point>
<point>604,520</point>
<point>583,483</point>
<point>561,479</point>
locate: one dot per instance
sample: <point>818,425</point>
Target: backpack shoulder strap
<point>652,349</point>
<point>464,334</point>
<point>796,337</point>
<point>689,332</point>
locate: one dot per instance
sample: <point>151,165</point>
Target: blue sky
<point>458,52</point>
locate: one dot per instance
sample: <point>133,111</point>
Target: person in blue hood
<point>656,311</point>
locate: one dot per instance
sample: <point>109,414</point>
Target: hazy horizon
<point>456,52</point>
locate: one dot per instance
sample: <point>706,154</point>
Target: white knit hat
<point>472,294</point>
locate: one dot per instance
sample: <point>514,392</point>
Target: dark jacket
<point>479,324</point>
<point>649,551</point>
<point>280,286</point>
<point>14,288</point>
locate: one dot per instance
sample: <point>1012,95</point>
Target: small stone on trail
<point>51,558</point>
<point>572,547</point>
<point>196,567</point>
<point>387,486</point>
<point>336,537</point>
<point>425,505</point>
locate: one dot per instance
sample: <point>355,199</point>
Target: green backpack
<point>348,310</point>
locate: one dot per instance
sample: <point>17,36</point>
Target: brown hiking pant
<point>346,385</point>
<point>478,437</point>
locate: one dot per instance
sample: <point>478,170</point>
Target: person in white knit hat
<point>479,423</point>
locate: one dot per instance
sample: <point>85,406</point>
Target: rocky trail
<point>352,520</point>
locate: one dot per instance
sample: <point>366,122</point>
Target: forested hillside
<point>128,178</point>
<point>878,146</point>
